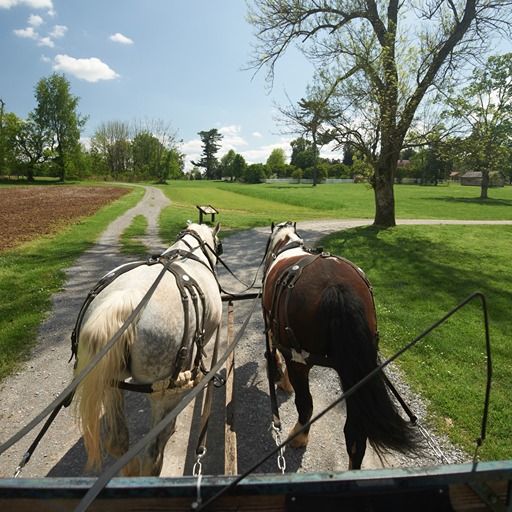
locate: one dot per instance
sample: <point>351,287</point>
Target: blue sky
<point>180,61</point>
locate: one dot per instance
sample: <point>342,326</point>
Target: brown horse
<point>319,310</point>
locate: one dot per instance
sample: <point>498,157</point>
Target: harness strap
<point>185,284</point>
<point>188,284</point>
<point>101,285</point>
<point>207,406</point>
<point>270,355</point>
<point>295,271</point>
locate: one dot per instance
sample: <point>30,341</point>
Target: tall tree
<point>56,114</point>
<point>27,145</point>
<point>164,137</point>
<point>146,153</point>
<point>483,110</point>
<point>211,145</point>
<point>227,162</point>
<point>239,166</point>
<point>308,118</point>
<point>303,153</point>
<point>276,162</point>
<point>111,141</point>
<point>174,165</point>
<point>3,139</point>
<point>382,57</point>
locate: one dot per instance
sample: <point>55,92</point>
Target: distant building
<point>474,178</point>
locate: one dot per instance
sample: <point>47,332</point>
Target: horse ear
<point>216,229</point>
<point>272,227</point>
<point>295,226</point>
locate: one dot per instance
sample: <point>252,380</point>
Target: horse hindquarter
<point>96,394</point>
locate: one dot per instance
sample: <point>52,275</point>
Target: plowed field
<point>29,212</point>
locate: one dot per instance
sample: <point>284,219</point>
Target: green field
<point>418,274</point>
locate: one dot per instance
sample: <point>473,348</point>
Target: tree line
<point>47,143</point>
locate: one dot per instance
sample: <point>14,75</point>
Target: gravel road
<point>46,374</point>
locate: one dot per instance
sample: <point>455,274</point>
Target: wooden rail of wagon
<point>475,487</point>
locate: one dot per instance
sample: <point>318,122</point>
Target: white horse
<point>162,346</point>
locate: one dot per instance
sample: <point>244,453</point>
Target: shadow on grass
<point>422,267</point>
<point>490,201</point>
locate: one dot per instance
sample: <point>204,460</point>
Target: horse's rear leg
<point>153,459</point>
<point>299,379</point>
<point>355,437</point>
<point>118,438</point>
<point>283,380</point>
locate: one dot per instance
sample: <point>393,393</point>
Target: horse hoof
<point>301,440</point>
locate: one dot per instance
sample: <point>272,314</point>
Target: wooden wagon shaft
<point>230,453</point>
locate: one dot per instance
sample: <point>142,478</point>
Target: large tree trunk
<point>485,185</point>
<point>384,203</point>
<point>383,187</point>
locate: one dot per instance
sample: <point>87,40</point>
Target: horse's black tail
<point>354,348</point>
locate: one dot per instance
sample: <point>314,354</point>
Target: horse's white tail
<point>96,394</point>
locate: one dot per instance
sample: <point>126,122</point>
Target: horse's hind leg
<point>153,459</point>
<point>299,379</point>
<point>355,437</point>
<point>117,437</point>
<point>282,378</point>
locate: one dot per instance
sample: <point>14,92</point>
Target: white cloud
<point>59,31</point>
<point>35,20</point>
<point>231,138</point>
<point>28,33</point>
<point>120,38</point>
<point>31,33</point>
<point>91,70</point>
<point>258,135</point>
<point>192,146</point>
<point>35,4</point>
<point>192,149</point>
<point>46,41</point>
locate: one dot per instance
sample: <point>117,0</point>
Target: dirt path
<point>61,452</point>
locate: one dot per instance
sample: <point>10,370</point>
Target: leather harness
<point>188,287</point>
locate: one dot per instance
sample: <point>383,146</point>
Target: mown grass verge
<point>130,238</point>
